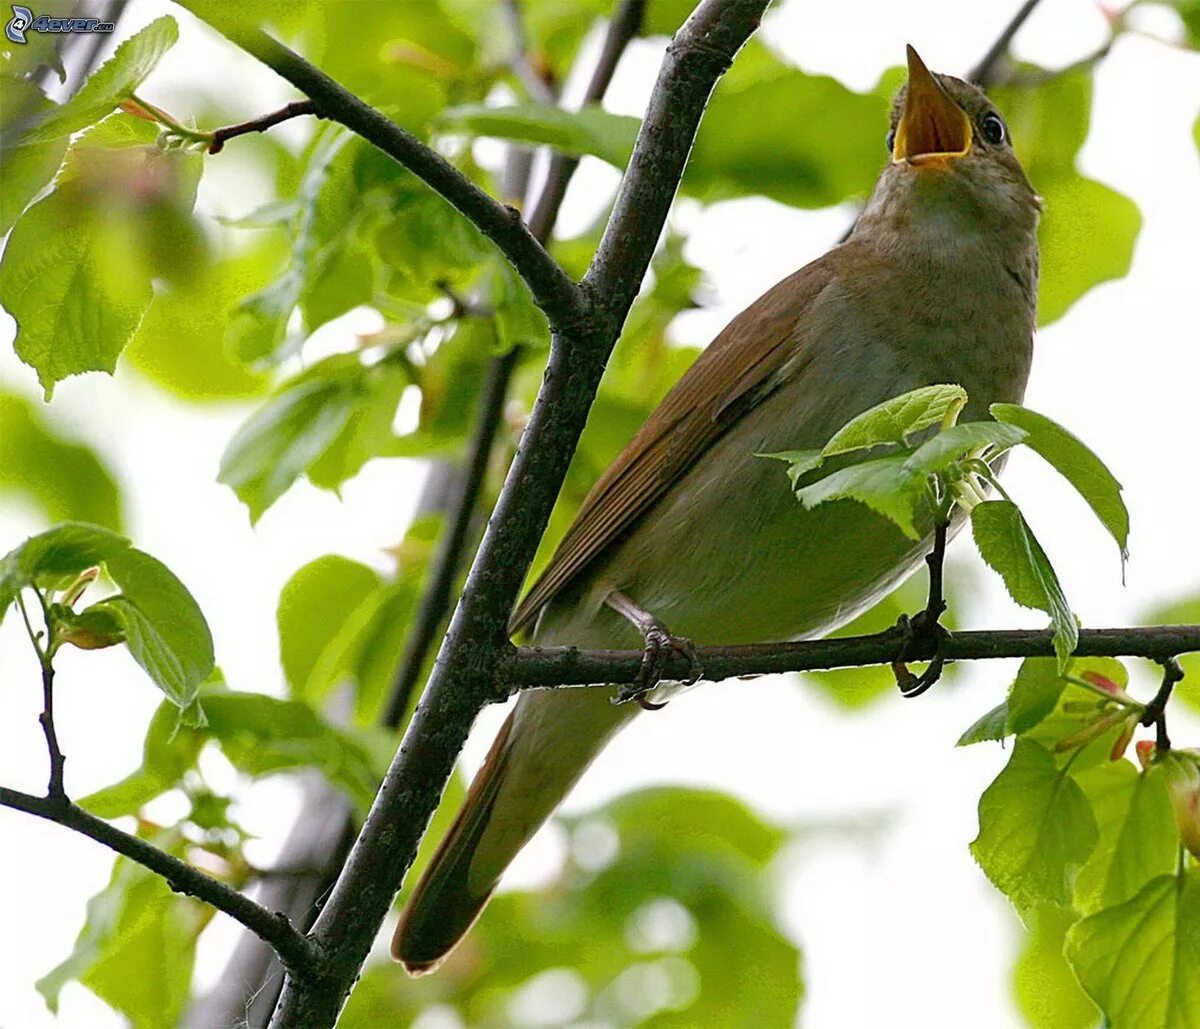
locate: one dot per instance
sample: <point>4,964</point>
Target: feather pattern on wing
<point>737,369</point>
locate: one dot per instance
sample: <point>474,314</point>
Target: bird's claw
<point>927,631</point>
<point>659,645</point>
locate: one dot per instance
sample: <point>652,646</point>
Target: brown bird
<point>690,530</point>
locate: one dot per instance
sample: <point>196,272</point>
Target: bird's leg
<point>658,643</point>
<point>924,629</point>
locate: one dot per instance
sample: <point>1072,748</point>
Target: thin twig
<point>983,72</point>
<point>55,788</point>
<point>293,110</point>
<point>534,79</point>
<point>625,25</point>
<point>296,951</point>
<point>541,667</point>
<point>552,288</point>
<point>447,559</point>
<point>1156,711</point>
<point>45,655</point>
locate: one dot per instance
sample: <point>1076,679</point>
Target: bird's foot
<point>659,645</point>
<point>922,634</point>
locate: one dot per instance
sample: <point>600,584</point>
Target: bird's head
<point>951,155</point>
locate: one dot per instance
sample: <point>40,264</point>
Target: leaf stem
<point>55,788</point>
<point>1156,711</point>
<point>296,109</point>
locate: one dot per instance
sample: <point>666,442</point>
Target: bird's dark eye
<point>891,140</point>
<point>991,127</point>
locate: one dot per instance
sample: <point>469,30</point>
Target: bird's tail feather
<point>541,751</point>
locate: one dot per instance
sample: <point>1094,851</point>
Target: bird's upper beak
<point>932,127</point>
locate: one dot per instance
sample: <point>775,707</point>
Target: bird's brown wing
<point>726,378</point>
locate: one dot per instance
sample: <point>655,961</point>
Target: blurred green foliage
<point>136,923</point>
<point>1090,849</point>
<point>637,928</point>
<point>65,479</point>
<point>662,912</point>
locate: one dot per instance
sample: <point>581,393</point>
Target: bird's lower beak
<point>932,127</point>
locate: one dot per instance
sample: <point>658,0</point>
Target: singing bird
<point>690,531</point>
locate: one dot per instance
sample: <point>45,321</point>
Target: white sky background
<point>897,923</point>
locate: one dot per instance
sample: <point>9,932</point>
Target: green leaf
<point>366,649</point>
<point>1046,989</point>
<point>165,630</point>
<point>991,726</point>
<point>1036,829</point>
<point>591,130</point>
<point>1033,694</point>
<point>519,321</point>
<point>1084,725</point>
<point>952,444</point>
<point>286,435</point>
<point>368,432</point>
<point>329,584</point>
<point>77,271</point>
<point>893,420</point>
<point>25,168</point>
<point>114,81</point>
<point>1009,547</point>
<point>65,479</point>
<point>1087,230</point>
<point>423,243</point>
<point>799,462</point>
<point>180,343</point>
<point>1087,238</point>
<point>58,554</point>
<point>882,485</point>
<point>1138,840</point>
<point>135,922</point>
<point>258,328</point>
<point>1072,459</point>
<point>263,735</point>
<point>1140,961</point>
<point>62,282</point>
<point>748,143</point>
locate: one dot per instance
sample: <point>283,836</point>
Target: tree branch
<point>983,73</point>
<point>541,667</point>
<point>698,55</point>
<point>296,951</point>
<point>539,83</point>
<point>551,287</point>
<point>462,679</point>
<point>295,109</point>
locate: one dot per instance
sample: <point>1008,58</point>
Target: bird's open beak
<point>932,127</point>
